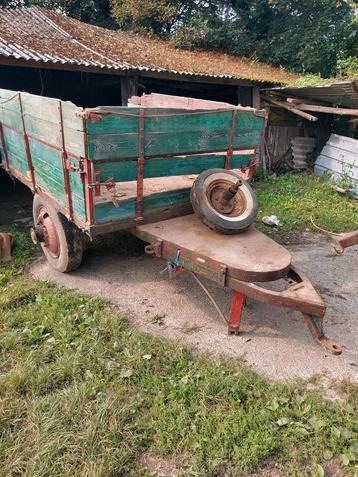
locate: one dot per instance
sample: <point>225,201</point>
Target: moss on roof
<point>44,33</point>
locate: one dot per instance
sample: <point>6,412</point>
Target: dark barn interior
<point>94,89</point>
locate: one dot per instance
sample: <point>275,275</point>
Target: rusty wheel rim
<point>234,208</point>
<point>50,238</point>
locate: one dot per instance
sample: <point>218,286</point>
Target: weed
<point>296,199</point>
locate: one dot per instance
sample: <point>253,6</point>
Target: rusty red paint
<point>87,176</point>
<point>97,183</point>
<point>66,182</point>
<point>87,167</point>
<point>345,240</point>
<point>237,305</point>
<point>140,168</point>
<point>92,116</point>
<point>231,139</point>
<point>46,232</point>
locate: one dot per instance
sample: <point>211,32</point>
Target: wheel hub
<point>216,194</point>
<point>45,232</point>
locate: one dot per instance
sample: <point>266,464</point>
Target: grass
<point>84,394</point>
<point>296,199</point>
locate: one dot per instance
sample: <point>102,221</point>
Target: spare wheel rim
<point>242,202</point>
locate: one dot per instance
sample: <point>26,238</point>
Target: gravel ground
<point>274,341</point>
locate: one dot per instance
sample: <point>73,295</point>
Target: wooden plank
<point>14,143</point>
<point>327,109</point>
<point>107,212</point>
<point>171,133</point>
<point>48,109</point>
<point>9,100</point>
<point>156,100</point>
<point>11,118</point>
<point>164,167</point>
<point>111,146</point>
<point>115,123</point>
<point>51,133</point>
<point>47,165</point>
<point>18,163</point>
<point>291,109</point>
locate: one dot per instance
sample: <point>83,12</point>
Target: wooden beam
<point>300,101</point>
<point>291,109</point>
<point>327,109</point>
<point>129,88</point>
<point>256,98</point>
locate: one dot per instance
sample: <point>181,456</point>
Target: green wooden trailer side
<point>74,156</point>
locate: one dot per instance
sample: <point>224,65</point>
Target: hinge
<point>72,168</point>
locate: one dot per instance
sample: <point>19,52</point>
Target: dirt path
<point>274,341</point>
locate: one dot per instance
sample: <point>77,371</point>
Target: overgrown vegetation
<point>307,36</point>
<point>84,394</point>
<point>297,200</point>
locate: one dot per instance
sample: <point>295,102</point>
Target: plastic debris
<point>271,220</point>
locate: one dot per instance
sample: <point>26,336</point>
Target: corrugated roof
<point>341,93</point>
<point>46,37</point>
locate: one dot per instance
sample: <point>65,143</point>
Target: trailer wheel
<point>230,217</point>
<point>61,241</point>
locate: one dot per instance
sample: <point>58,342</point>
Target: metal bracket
<point>154,249</point>
<point>96,185</point>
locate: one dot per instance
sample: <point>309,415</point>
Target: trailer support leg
<point>237,305</point>
<point>315,325</point>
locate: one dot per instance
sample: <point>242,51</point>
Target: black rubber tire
<point>69,236</point>
<point>210,216</point>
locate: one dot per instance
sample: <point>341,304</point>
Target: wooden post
<point>129,87</point>
<point>244,95</point>
<point>256,98</point>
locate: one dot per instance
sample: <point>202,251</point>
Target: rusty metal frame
<point>140,167</point>
<point>231,139</point>
<point>88,174</point>
<point>345,240</point>
<point>299,293</point>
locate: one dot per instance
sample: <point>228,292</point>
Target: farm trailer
<point>94,171</point>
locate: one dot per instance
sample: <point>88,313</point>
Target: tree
<point>309,35</point>
<point>97,12</point>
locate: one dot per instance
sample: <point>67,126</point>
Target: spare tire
<point>206,193</point>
